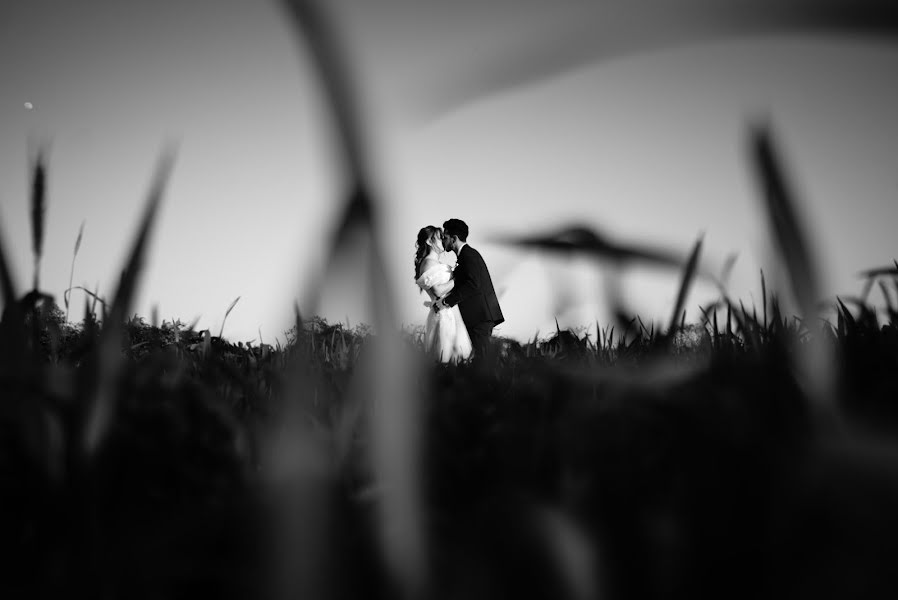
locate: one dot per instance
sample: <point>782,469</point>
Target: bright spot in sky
<point>28,106</point>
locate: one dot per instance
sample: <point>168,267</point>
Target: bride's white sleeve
<point>441,289</point>
<point>434,277</point>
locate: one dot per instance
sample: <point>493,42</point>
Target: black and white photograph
<point>422,300</point>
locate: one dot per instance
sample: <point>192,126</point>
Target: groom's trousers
<point>480,337</point>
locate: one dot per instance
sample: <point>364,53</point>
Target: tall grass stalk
<point>689,272</point>
<point>72,271</point>
<point>227,312</point>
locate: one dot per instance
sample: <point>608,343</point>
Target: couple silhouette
<point>463,307</point>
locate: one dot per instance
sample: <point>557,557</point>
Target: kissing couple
<point>463,304</point>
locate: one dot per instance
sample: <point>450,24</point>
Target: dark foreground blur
<point>754,455</point>
<point>631,467</point>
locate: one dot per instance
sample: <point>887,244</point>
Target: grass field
<point>142,460</point>
<point>750,455</point>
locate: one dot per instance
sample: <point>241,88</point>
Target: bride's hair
<point>423,243</point>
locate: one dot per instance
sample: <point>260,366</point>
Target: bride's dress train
<point>445,335</point>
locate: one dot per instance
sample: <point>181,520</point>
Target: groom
<point>473,291</point>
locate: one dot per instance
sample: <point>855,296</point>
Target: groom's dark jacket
<point>473,291</point>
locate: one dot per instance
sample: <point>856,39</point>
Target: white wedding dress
<point>445,335</point>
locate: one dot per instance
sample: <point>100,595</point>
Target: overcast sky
<point>515,117</point>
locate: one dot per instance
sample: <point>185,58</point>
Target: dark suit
<point>475,297</point>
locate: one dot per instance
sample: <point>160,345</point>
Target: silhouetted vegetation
<point>750,455</point>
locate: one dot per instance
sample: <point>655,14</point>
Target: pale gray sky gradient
<point>647,146</point>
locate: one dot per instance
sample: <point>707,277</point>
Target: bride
<point>445,335</point>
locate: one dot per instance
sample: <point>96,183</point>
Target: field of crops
<point>151,460</point>
<point>751,455</point>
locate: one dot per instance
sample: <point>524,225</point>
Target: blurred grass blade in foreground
<point>880,272</point>
<point>110,360</point>
<point>686,282</point>
<point>793,246</point>
<point>38,214</point>
<point>789,237</point>
<point>590,33</point>
<point>7,284</point>
<point>588,242</point>
<point>12,330</point>
<point>312,25</point>
<point>395,446</point>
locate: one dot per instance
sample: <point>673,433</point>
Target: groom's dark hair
<point>456,227</point>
